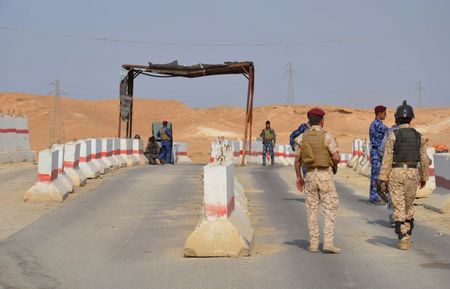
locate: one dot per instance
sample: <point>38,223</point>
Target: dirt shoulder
<point>15,180</point>
<point>360,184</point>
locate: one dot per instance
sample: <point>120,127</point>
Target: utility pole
<point>419,91</point>
<point>290,72</point>
<point>57,127</point>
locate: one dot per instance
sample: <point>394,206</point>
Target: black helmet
<point>404,111</point>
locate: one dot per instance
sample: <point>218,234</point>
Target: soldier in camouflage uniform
<point>317,151</point>
<point>404,169</point>
<point>269,139</point>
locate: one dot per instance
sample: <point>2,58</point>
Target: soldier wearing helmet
<point>404,169</point>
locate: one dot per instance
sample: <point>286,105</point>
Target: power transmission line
<point>56,134</point>
<point>419,92</point>
<point>290,98</point>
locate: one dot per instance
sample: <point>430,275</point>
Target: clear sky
<point>356,53</point>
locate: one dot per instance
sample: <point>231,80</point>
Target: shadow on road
<point>380,222</point>
<point>301,200</point>
<point>383,241</point>
<point>303,244</point>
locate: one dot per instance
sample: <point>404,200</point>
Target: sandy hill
<point>197,127</point>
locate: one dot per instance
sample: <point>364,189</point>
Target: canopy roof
<point>173,69</point>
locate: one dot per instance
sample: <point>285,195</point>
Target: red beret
<point>380,108</point>
<point>316,112</point>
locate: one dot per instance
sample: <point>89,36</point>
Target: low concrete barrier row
<point>15,140</point>
<point>65,166</point>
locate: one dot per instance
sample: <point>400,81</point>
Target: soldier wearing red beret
<point>317,151</point>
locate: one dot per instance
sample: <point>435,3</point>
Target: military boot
<point>404,244</point>
<point>313,247</point>
<point>331,249</point>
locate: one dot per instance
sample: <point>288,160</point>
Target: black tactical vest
<point>407,145</point>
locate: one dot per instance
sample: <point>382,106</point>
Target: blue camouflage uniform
<point>376,134</point>
<point>166,145</point>
<point>301,129</point>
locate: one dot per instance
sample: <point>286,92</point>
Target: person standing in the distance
<point>165,135</point>
<point>376,133</point>
<point>268,139</point>
<point>404,169</point>
<point>317,151</point>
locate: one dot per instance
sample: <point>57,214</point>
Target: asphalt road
<point>129,233</point>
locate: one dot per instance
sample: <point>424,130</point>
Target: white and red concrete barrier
<point>116,153</point>
<point>357,152</point>
<point>72,164</point>
<point>138,151</point>
<point>96,156</point>
<point>48,187</point>
<point>224,229</point>
<point>440,198</point>
<point>14,140</point>
<point>181,153</point>
<point>126,152</point>
<point>431,183</point>
<point>289,155</point>
<point>89,169</point>
<point>65,180</point>
<point>107,153</point>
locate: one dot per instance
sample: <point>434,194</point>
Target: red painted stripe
<point>23,131</point>
<point>181,153</point>
<point>442,182</point>
<point>279,154</point>
<point>214,210</point>
<point>107,154</point>
<point>85,159</point>
<point>7,130</point>
<point>46,178</point>
<point>126,152</point>
<point>211,159</point>
<point>431,172</point>
<point>116,152</point>
<point>73,165</point>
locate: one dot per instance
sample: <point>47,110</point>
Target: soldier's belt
<point>405,166</point>
<point>317,169</point>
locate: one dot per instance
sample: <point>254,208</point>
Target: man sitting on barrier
<point>152,151</point>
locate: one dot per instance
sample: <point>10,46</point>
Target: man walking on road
<point>376,133</point>
<point>269,139</point>
<point>165,135</point>
<point>404,169</point>
<point>317,151</point>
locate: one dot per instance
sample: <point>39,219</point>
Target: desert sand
<point>197,127</point>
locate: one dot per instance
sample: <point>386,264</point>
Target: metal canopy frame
<point>174,70</point>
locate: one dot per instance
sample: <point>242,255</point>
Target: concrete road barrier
<point>107,153</point>
<point>431,183</point>
<point>224,230</point>
<point>278,152</point>
<point>72,164</point>
<point>116,153</point>
<point>126,152</point>
<point>439,200</point>
<point>181,153</point>
<point>289,155</point>
<point>89,169</point>
<point>96,156</point>
<point>65,180</point>
<point>48,187</point>
<point>14,140</point>
<point>138,151</point>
